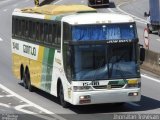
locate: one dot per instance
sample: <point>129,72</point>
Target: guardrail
<point>152,62</point>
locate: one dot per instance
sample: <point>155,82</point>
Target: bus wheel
<point>61,97</point>
<point>28,81</point>
<point>25,82</point>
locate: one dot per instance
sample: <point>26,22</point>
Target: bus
<point>82,57</point>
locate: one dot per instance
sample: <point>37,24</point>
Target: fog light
<point>133,94</point>
<point>84,99</point>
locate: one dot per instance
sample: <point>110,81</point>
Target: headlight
<point>81,88</point>
<point>134,83</point>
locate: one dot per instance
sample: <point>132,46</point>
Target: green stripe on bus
<point>47,69</point>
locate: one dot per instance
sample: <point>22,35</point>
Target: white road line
<point>6,96</point>
<point>153,79</point>
<point>158,40</point>
<point>140,20</point>
<point>5,10</point>
<point>82,1</point>
<point>15,5</point>
<point>118,7</point>
<point>20,108</point>
<point>111,10</point>
<point>58,1</point>
<point>26,1</point>
<point>5,1</point>
<point>9,95</point>
<point>30,103</point>
<point>4,105</point>
<point>1,39</point>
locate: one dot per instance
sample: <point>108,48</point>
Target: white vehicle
<point>81,57</point>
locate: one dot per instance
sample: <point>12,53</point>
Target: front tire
<point>61,97</point>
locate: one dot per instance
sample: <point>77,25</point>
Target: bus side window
<point>16,27</point>
<point>19,28</point>
<point>27,29</point>
<point>37,31</point>
<point>46,33</point>
<point>33,34</point>
<point>41,32</point>
<point>53,34</point>
<point>13,26</point>
<point>58,34</point>
<point>50,35</point>
<point>22,29</point>
<point>30,30</point>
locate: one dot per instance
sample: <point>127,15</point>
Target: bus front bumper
<point>108,96</point>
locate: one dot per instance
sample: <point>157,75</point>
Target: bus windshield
<point>104,32</point>
<point>101,62</point>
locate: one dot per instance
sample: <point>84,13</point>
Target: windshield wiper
<point>113,63</point>
<point>99,66</point>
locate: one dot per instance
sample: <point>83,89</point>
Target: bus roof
<point>97,18</point>
<point>72,14</point>
<point>58,9</point>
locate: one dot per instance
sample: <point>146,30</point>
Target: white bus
<point>80,57</point>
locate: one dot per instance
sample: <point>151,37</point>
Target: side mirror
<point>146,14</point>
<point>142,54</point>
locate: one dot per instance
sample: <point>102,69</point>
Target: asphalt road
<point>13,95</point>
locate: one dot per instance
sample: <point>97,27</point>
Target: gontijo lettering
<point>29,50</point>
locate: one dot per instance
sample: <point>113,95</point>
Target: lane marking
<point>158,40</point>
<point>4,105</point>
<point>82,1</point>
<point>20,108</point>
<point>120,11</point>
<point>141,20</point>
<point>6,96</point>
<point>31,103</point>
<point>5,10</point>
<point>26,1</point>
<point>1,39</point>
<point>58,2</point>
<point>5,1</point>
<point>153,79</point>
<point>111,10</point>
<point>15,5</point>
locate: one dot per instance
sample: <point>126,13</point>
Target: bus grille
<point>105,86</point>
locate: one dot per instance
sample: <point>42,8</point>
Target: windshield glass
<point>104,32</point>
<point>100,62</point>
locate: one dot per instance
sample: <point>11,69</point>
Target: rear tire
<point>61,97</point>
<point>28,81</point>
<point>25,82</point>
